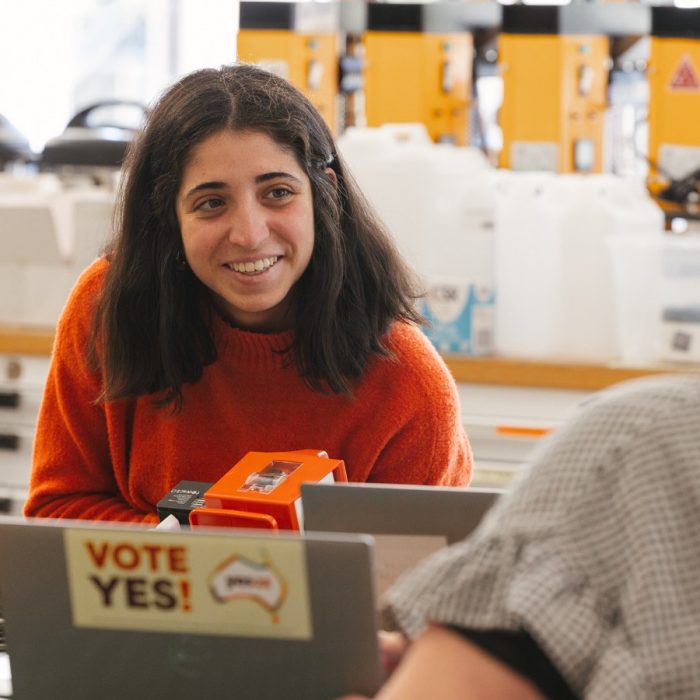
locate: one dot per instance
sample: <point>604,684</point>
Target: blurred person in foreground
<point>581,582</point>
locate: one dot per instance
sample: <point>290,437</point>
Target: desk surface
<point>26,341</point>
<point>505,371</point>
<point>552,373</point>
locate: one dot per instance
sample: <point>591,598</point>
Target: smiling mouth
<point>254,267</point>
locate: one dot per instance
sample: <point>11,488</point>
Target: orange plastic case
<point>263,490</point>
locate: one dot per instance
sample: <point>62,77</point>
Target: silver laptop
<point>115,612</point>
<point>407,522</point>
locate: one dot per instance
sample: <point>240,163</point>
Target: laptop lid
<point>114,612</point>
<point>408,522</point>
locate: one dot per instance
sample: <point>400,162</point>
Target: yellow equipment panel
<point>419,77</point>
<point>554,100</point>
<point>308,60</point>
<point>674,104</point>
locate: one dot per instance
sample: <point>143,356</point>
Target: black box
<point>181,499</point>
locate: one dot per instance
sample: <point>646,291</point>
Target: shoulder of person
<point>407,343</point>
<point>635,415</point>
<point>92,278</point>
<point>651,396</point>
<point>90,281</point>
<point>79,308</point>
<point>413,359</point>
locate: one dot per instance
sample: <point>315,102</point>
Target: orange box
<point>263,490</point>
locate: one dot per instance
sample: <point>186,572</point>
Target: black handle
<point>9,399</point>
<point>9,441</point>
<point>81,118</point>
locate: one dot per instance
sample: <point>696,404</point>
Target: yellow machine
<point>297,41</point>
<point>416,74</point>
<point>554,92</point>
<point>674,107</point>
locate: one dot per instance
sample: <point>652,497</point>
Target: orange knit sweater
<point>115,461</point>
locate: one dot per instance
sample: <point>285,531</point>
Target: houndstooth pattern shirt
<point>595,551</point>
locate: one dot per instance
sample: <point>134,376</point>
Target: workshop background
<point>538,165</point>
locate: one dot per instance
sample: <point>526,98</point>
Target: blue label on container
<point>460,317</point>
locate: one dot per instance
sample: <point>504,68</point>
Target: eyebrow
<point>218,185</point>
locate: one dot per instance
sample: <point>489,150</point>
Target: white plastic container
<point>657,297</point>
<point>438,203</point>
<point>436,200</point>
<point>48,235</point>
<point>554,276</point>
<point>527,269</point>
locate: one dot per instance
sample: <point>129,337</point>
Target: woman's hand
<point>392,646</point>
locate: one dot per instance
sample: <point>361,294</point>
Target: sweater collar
<point>261,350</point>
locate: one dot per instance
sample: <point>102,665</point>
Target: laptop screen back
<point>113,612</point>
<point>407,522</point>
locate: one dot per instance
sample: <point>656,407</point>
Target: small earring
<point>180,260</point>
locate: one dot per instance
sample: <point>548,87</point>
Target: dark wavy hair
<point>153,322</point>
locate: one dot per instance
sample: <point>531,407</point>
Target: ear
<point>332,176</point>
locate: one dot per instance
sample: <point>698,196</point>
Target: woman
<point>250,300</point>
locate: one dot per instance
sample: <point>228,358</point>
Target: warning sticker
<point>685,77</point>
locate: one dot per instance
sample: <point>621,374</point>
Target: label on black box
<point>181,499</point>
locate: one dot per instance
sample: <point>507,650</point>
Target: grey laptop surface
<point>113,613</point>
<point>407,522</point>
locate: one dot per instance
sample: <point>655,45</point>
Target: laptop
<point>407,522</point>
<point>115,612</point>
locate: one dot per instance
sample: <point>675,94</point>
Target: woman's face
<point>246,218</point>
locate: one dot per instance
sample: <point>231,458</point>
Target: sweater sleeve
<point>72,472</point>
<point>427,443</point>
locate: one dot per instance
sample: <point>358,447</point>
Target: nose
<point>248,225</point>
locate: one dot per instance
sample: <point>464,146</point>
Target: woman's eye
<point>279,193</point>
<point>210,204</point>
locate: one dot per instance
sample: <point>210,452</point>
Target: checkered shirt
<point>595,551</point>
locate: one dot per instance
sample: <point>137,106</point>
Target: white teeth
<point>251,267</point>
